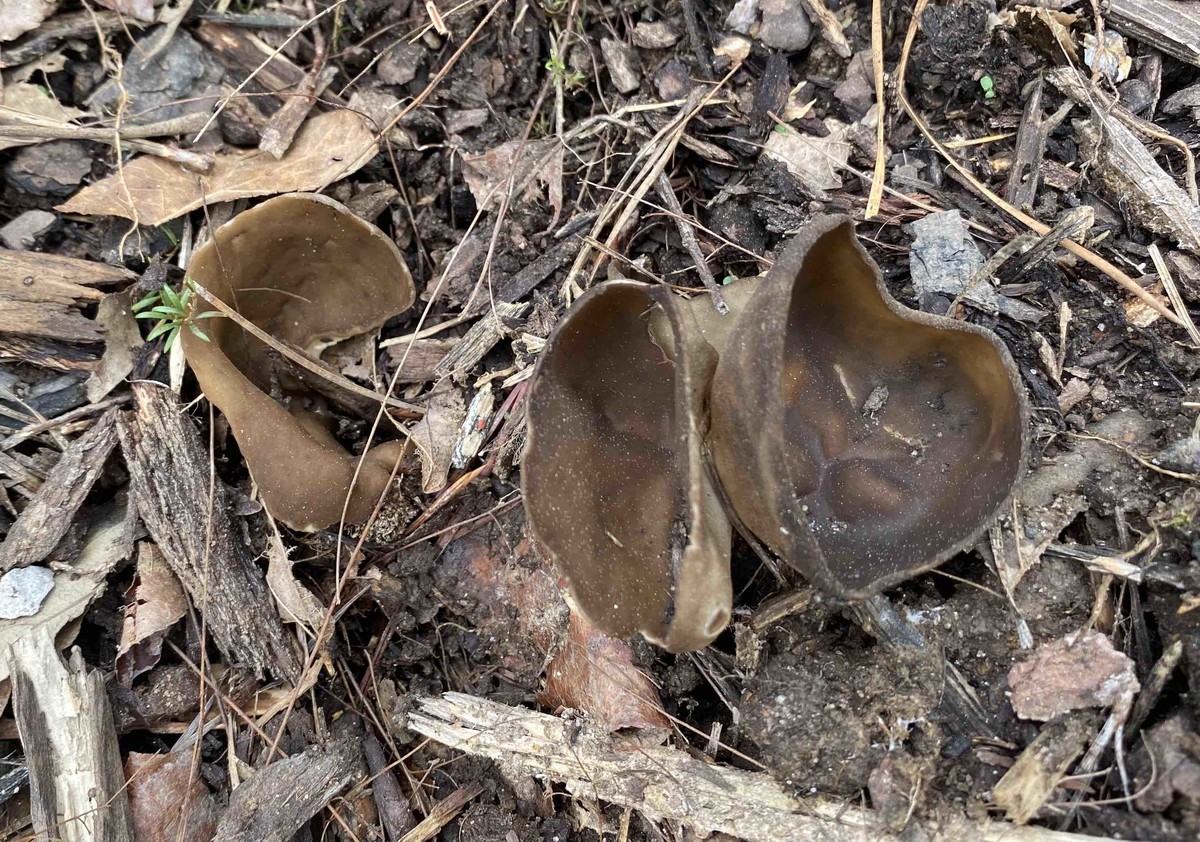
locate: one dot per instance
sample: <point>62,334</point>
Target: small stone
<point>49,169</point>
<point>672,81</point>
<point>734,47</point>
<point>742,16</point>
<point>22,591</point>
<point>654,36</point>
<point>399,65</point>
<point>622,65</point>
<point>183,78</point>
<point>857,90</point>
<point>1182,455</point>
<point>784,26</point>
<point>23,232</point>
<point>1100,392</point>
<point>468,118</point>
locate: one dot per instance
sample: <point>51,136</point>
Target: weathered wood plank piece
<point>666,784</point>
<point>77,787</point>
<point>280,798</point>
<point>48,516</point>
<point>170,480</point>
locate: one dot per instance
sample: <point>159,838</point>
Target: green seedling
<point>989,87</point>
<point>172,308</point>
<point>561,75</point>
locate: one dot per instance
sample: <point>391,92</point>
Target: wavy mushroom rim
<point>694,588</point>
<point>304,475</point>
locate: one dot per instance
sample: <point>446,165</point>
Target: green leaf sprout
<point>171,309</point>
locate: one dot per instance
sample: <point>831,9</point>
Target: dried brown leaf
<point>815,161</point>
<point>435,436</point>
<point>1080,670</point>
<point>158,603</point>
<point>122,339</point>
<point>28,99</point>
<point>329,147</point>
<point>297,604</point>
<point>108,541</point>
<point>595,673</point>
<point>526,163</point>
<point>163,789</point>
<point>20,16</point>
<point>139,9</point>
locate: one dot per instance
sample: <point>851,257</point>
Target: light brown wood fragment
<point>1026,786</point>
<point>52,271</point>
<point>442,814</point>
<point>479,340</point>
<point>1168,25</point>
<point>281,128</point>
<point>77,787</point>
<point>666,784</point>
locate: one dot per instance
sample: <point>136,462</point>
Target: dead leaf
<point>142,10</point>
<point>507,591</point>
<point>163,788</point>
<point>122,338</point>
<point>20,16</point>
<point>815,161</point>
<point>527,164</point>
<point>329,147</point>
<point>595,673</point>
<point>1049,30</point>
<point>1073,392</point>
<point>435,436</point>
<point>109,540</point>
<point>1080,670</point>
<point>158,604</point>
<point>30,100</point>
<point>1175,771</point>
<point>296,602</point>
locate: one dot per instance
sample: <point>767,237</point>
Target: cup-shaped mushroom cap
<point>306,270</point>
<point>614,480</point>
<point>863,441</point>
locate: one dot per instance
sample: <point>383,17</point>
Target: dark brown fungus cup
<point>863,441</point>
<point>309,272</point>
<point>614,479</point>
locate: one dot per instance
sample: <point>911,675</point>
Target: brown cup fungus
<point>614,479</point>
<point>309,272</point>
<point>862,441</point>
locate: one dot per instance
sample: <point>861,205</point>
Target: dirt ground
<point>1046,680</point>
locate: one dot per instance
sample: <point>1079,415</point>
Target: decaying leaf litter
<point>419,669</point>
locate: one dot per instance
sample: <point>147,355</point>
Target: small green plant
<point>989,87</point>
<point>171,309</point>
<point>561,75</point>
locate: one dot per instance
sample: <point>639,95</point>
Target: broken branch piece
<point>306,270</point>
